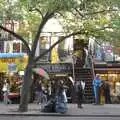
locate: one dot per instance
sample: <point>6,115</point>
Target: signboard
<point>12,67</point>
<point>13,62</point>
<point>57,68</point>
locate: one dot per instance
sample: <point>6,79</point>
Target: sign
<point>57,68</point>
<point>13,62</point>
<point>12,67</point>
<point>21,73</point>
<point>8,60</point>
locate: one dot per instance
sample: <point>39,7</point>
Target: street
<point>55,118</point>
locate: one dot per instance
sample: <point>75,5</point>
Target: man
<point>79,94</point>
<point>97,82</point>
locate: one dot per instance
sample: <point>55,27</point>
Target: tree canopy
<point>73,15</point>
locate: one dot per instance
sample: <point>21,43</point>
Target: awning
<point>107,69</point>
<point>11,55</point>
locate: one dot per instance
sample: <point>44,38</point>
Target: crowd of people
<point>55,94</point>
<point>52,96</point>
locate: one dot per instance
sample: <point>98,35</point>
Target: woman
<point>61,98</point>
<point>6,90</point>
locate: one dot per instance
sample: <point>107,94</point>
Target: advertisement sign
<point>12,67</point>
<point>12,62</point>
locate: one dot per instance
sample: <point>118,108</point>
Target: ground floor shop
<point>12,67</point>
<point>111,74</point>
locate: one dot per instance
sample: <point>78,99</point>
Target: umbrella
<point>41,72</point>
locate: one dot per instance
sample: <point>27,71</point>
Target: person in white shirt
<point>6,90</point>
<point>83,84</point>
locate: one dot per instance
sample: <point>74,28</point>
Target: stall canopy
<point>11,55</point>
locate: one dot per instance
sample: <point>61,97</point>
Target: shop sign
<point>21,73</point>
<point>57,68</point>
<point>12,67</point>
<point>9,60</point>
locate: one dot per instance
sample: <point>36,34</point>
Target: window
<point>1,46</point>
<point>16,47</point>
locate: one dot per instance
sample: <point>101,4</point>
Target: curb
<point>58,115</point>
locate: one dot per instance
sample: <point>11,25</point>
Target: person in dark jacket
<point>61,98</point>
<point>39,92</point>
<point>79,94</point>
<point>107,92</point>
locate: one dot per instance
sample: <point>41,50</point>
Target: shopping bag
<point>4,89</point>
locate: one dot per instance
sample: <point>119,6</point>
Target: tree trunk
<point>25,89</point>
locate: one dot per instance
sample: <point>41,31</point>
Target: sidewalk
<point>88,110</point>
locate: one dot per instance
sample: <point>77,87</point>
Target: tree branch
<point>17,36</point>
<point>38,10</point>
<point>102,11</point>
<point>60,40</point>
<point>79,12</point>
<point>93,13</point>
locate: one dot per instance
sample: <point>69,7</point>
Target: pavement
<point>88,110</point>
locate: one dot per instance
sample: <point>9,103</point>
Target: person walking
<point>79,94</point>
<point>6,90</point>
<point>61,98</point>
<point>83,90</point>
<point>97,82</point>
<point>107,92</point>
<point>39,92</point>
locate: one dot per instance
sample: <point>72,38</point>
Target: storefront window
<point>16,47</point>
<point>114,81</point>
<point>106,52</point>
<point>44,43</point>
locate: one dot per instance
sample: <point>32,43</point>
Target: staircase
<point>86,75</point>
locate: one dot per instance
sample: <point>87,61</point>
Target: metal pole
<point>73,66</point>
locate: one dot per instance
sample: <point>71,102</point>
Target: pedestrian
<point>97,82</point>
<point>79,94</point>
<point>61,98</point>
<point>83,84</point>
<point>86,64</point>
<point>107,92</point>
<point>39,92</point>
<point>53,89</point>
<point>6,91</point>
<point>83,89</point>
<point>102,93</point>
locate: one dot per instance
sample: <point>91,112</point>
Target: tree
<point>47,10</point>
<point>56,8</point>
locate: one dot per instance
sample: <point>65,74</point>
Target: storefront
<point>110,71</point>
<point>11,67</point>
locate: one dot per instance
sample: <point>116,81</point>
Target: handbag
<point>4,89</point>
